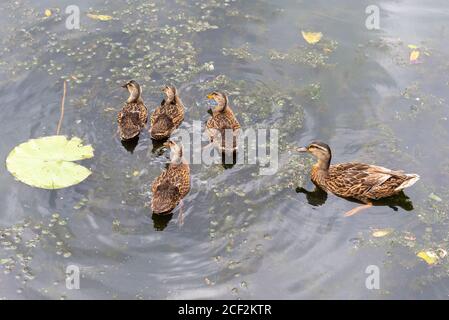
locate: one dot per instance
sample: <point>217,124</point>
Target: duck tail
<point>161,128</point>
<point>411,179</point>
<point>160,206</point>
<point>129,129</point>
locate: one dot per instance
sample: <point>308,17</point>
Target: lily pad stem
<point>62,109</point>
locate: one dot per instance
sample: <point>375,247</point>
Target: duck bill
<point>302,149</point>
<point>125,86</point>
<point>210,96</point>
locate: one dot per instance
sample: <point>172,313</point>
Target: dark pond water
<point>244,235</point>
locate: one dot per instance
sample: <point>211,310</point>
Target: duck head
<point>134,90</point>
<point>170,93</point>
<point>220,99</point>
<point>176,152</point>
<point>321,151</point>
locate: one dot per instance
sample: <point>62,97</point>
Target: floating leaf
<point>48,162</point>
<point>412,46</point>
<point>100,17</point>
<point>48,12</point>
<point>379,233</point>
<point>312,37</point>
<point>414,55</point>
<point>434,197</point>
<point>428,256</point>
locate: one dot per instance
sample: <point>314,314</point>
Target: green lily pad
<point>48,162</point>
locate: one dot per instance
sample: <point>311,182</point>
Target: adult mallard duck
<point>363,182</point>
<point>173,184</point>
<point>134,114</point>
<point>223,127</point>
<point>166,118</point>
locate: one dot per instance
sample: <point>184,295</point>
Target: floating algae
<point>20,241</point>
<point>241,53</point>
<point>316,57</point>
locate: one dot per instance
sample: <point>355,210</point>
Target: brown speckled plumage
<point>360,181</point>
<point>169,116</point>
<point>134,114</point>
<point>173,184</point>
<point>223,120</point>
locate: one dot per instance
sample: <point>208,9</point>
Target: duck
<point>169,116</point>
<point>359,181</point>
<point>222,120</point>
<point>173,184</point>
<point>134,114</point>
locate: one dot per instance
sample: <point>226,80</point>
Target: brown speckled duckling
<point>173,184</point>
<point>222,120</point>
<point>169,116</point>
<point>134,114</point>
<point>363,182</point>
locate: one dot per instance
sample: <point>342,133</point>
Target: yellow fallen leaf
<point>312,37</point>
<point>412,46</point>
<point>378,233</point>
<point>100,17</point>
<point>48,12</point>
<point>428,256</point>
<point>414,55</point>
<point>136,173</point>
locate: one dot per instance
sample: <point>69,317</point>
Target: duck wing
<point>165,198</point>
<point>364,181</point>
<point>170,187</point>
<point>217,127</point>
<point>162,126</point>
<point>165,119</point>
<point>131,120</point>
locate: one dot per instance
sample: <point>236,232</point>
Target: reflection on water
<point>244,235</point>
<point>400,200</point>
<point>131,144</point>
<point>161,221</point>
<point>318,197</point>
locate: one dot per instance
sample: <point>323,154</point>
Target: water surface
<point>245,235</point>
